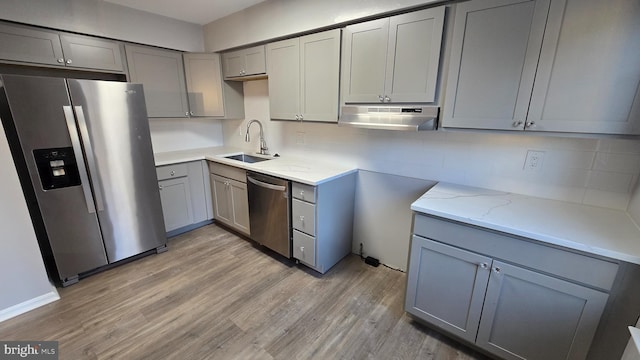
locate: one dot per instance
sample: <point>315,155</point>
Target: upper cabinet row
<point>37,46</point>
<point>545,65</point>
<point>183,85</point>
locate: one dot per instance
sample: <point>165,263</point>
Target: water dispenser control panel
<point>57,168</point>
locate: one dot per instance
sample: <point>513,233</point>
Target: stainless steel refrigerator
<point>83,153</point>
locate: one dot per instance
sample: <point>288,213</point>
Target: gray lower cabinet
<point>322,222</point>
<point>184,193</point>
<point>230,201</point>
<point>27,44</point>
<point>513,298</point>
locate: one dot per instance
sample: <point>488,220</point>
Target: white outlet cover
<point>534,160</point>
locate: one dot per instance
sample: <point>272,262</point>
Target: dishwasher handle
<point>266,185</point>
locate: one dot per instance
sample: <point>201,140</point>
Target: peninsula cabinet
<point>304,75</point>
<point>25,44</point>
<point>568,66</point>
<point>514,298</point>
<point>244,64</point>
<point>208,95</point>
<point>229,196</point>
<point>393,60</point>
<point>161,72</point>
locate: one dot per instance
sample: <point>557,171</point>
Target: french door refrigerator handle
<point>77,151</point>
<point>266,185</point>
<point>91,159</point>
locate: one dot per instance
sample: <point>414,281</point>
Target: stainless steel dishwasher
<point>269,212</point>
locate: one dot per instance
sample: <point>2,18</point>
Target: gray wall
<point>634,205</point>
<point>100,18</point>
<point>276,18</point>
<point>22,273</point>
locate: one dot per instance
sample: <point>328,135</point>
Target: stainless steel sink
<point>246,158</point>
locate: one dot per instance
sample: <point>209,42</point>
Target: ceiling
<point>194,11</point>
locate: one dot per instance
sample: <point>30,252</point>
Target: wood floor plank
<point>215,295</point>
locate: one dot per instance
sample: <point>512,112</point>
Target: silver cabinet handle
<point>386,98</point>
<point>517,123</point>
<point>186,114</point>
<point>61,60</point>
<point>69,61</point>
<point>297,117</point>
<point>172,173</point>
<point>530,124</point>
<point>160,187</point>
<point>301,117</point>
<point>497,270</point>
<point>302,193</point>
<point>484,265</point>
<point>91,159</point>
<point>302,249</point>
<point>77,152</point>
<point>381,98</point>
<point>302,219</point>
<point>266,185</point>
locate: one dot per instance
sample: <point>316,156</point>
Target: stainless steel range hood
<point>409,118</point>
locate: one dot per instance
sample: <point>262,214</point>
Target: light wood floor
<point>214,295</point>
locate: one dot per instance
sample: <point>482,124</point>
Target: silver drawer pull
<point>302,249</point>
<point>497,270</point>
<point>302,219</point>
<point>160,187</point>
<point>484,265</point>
<point>172,173</point>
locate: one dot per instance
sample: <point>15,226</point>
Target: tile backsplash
<point>600,172</point>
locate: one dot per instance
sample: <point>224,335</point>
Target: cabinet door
<point>320,76</point>
<point>91,53</point>
<point>494,53</point>
<point>232,64</point>
<point>528,315</point>
<point>588,79</point>
<point>175,196</point>
<point>19,43</point>
<point>239,205</point>
<point>254,61</point>
<point>197,185</point>
<point>446,286</point>
<point>283,69</point>
<point>204,84</point>
<point>161,72</point>
<point>364,61</point>
<point>413,56</point>
<point>220,196</point>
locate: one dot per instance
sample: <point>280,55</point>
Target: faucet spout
<point>264,150</point>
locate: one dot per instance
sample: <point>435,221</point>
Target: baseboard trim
<point>29,305</point>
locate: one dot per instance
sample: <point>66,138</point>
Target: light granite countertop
<point>306,171</point>
<point>595,230</point>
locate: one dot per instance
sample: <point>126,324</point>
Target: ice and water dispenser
<point>57,168</point>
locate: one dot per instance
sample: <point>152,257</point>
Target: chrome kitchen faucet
<point>264,150</point>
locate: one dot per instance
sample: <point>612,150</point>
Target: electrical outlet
<point>533,161</point>
<point>300,137</point>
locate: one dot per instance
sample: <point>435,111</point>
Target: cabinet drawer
<point>584,269</point>
<point>304,248</point>
<point>304,192</point>
<point>171,171</point>
<point>228,171</point>
<point>303,216</point>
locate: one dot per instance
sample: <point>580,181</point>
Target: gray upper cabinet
<point>393,60</point>
<point>304,75</point>
<point>162,74</point>
<point>494,54</point>
<point>248,62</point>
<point>588,77</point>
<point>545,65</point>
<point>32,45</point>
<point>208,94</point>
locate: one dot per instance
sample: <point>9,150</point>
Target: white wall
<point>276,18</point>
<point>100,18</point>
<point>601,172</point>
<point>23,279</point>
<point>179,134</point>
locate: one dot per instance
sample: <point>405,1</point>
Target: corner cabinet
<point>184,194</point>
<point>208,95</point>
<point>545,65</point>
<point>27,44</point>
<point>503,294</point>
<point>244,64</point>
<point>322,222</point>
<point>393,60</point>
<point>230,201</point>
<point>304,75</point>
<point>161,72</point>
